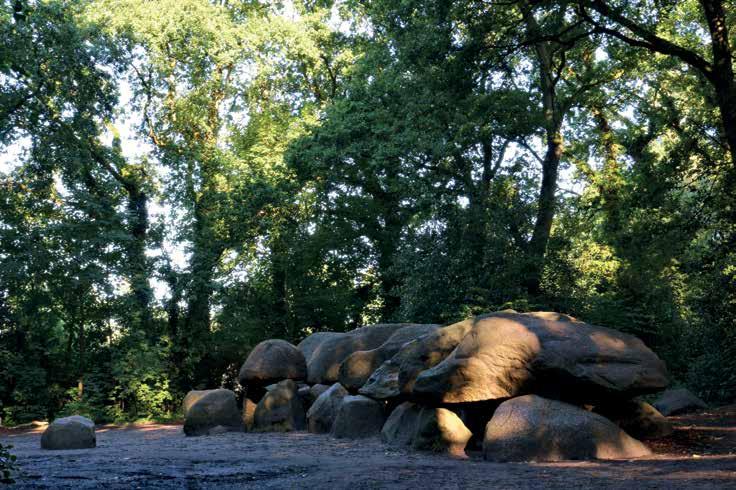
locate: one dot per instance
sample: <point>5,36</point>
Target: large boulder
<point>358,366</point>
<point>358,417</point>
<point>532,428</point>
<point>211,412</point>
<point>509,354</point>
<point>327,351</point>
<point>321,415</point>
<point>311,343</point>
<point>396,376</point>
<point>75,432</point>
<point>272,361</point>
<point>681,400</point>
<point>639,419</point>
<point>281,409</point>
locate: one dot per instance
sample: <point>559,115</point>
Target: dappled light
<point>347,244</point>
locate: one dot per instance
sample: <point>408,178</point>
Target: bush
<point>7,465</point>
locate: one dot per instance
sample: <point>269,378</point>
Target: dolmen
<point>538,386</point>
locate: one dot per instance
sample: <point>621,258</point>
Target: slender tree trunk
<point>279,276</point>
<point>138,262</point>
<point>546,206</point>
<point>553,117</point>
<point>390,281</point>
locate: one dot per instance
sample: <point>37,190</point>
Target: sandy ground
<point>701,454</point>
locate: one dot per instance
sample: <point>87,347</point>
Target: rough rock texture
<point>401,426</point>
<point>681,400</point>
<point>426,429</point>
<point>396,376</point>
<point>327,352</point>
<point>358,366</point>
<point>280,409</point>
<point>322,413</point>
<point>441,430</point>
<point>509,354</point>
<point>639,419</point>
<point>211,411</point>
<point>316,390</point>
<point>532,428</point>
<point>310,344</point>
<point>272,361</point>
<point>75,432</point>
<point>358,417</point>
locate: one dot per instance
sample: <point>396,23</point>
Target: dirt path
<point>701,454</point>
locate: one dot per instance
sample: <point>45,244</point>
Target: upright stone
<point>321,415</point>
<point>358,417</point>
<point>281,409</point>
<point>441,430</point>
<point>209,412</point>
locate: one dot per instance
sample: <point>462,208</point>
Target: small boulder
<point>677,401</point>
<point>209,412</point>
<point>316,390</point>
<point>249,413</point>
<point>532,428</point>
<point>280,409</point>
<point>272,361</point>
<point>401,426</point>
<point>639,419</point>
<point>75,432</point>
<point>358,417</point>
<point>321,415</point>
<point>441,430</point>
<point>358,366</point>
<point>426,429</point>
<point>505,355</point>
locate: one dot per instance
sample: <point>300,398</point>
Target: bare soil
<point>700,454</point>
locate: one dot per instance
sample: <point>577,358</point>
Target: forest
<point>182,179</point>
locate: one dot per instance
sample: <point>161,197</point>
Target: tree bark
<point>553,117</point>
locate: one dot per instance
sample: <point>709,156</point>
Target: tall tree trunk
<point>279,276</point>
<point>207,249</point>
<point>546,206</point>
<point>553,117</point>
<point>387,244</point>
<point>138,262</point>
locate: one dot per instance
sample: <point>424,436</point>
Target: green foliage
<point>272,170</point>
<point>7,465</point>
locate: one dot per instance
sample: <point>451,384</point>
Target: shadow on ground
<point>700,454</point>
